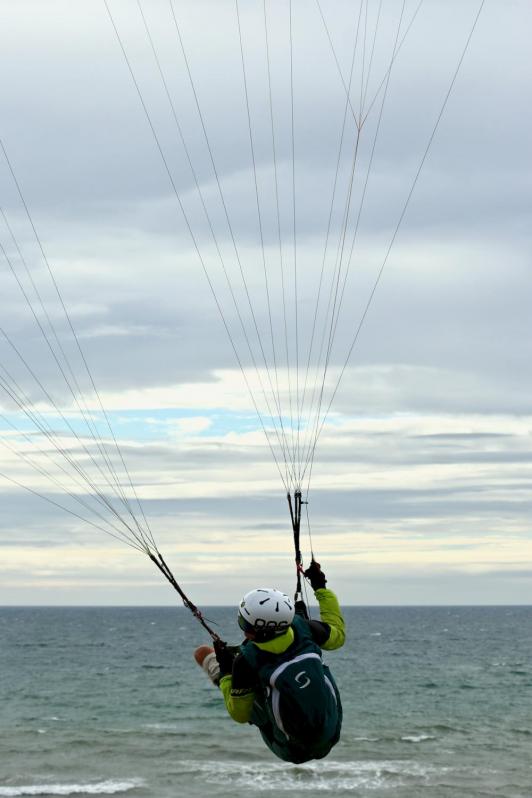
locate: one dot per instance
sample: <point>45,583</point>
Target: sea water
<point>109,701</point>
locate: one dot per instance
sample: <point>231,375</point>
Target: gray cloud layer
<point>448,334</point>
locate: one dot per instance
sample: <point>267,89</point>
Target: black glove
<point>301,609</point>
<point>315,575</point>
<point>224,655</point>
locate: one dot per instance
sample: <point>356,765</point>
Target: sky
<point>183,187</point>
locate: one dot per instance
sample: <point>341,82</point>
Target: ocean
<point>109,701</point>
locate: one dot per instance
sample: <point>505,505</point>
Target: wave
<point>322,776</point>
<point>445,727</point>
<point>367,739</point>
<point>417,738</point>
<point>166,728</point>
<point>108,787</point>
<point>407,738</point>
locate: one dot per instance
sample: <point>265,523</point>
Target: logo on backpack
<point>299,681</point>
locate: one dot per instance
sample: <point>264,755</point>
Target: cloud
<point>193,425</point>
<point>422,469</point>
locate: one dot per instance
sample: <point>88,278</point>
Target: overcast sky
<point>421,488</point>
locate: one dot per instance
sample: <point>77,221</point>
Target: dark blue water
<point>107,701</point>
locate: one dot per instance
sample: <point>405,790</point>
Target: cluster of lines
<point>292,378</point>
<point>62,433</point>
<point>288,382</point>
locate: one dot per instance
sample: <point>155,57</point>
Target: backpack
<point>300,696</point>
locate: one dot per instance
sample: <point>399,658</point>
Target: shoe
<point>206,658</point>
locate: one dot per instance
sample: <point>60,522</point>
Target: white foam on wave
<point>321,776</point>
<point>108,787</point>
<point>166,728</point>
<point>417,738</point>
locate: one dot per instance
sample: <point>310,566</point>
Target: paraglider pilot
<point>276,680</point>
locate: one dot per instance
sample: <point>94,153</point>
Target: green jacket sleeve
<point>239,703</point>
<point>331,614</point>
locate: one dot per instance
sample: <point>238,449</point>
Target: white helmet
<point>266,613</point>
